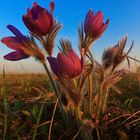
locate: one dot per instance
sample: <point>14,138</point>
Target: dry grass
<point>26,94</point>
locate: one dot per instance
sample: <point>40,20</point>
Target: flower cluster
<point>76,77</point>
<point>40,23</point>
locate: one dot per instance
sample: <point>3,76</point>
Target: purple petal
<point>75,60</point>
<point>29,13</point>
<point>66,65</point>
<point>16,32</point>
<point>73,56</point>
<point>97,20</point>
<point>31,25</point>
<point>45,22</point>
<point>12,43</point>
<point>104,26</point>
<point>54,65</point>
<point>35,11</point>
<point>88,20</point>
<point>15,56</point>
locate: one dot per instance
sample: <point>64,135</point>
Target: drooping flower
<point>114,55</point>
<point>108,56</point>
<point>39,20</point>
<point>69,64</point>
<point>94,25</point>
<point>22,45</point>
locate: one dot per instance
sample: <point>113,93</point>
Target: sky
<point>124,18</point>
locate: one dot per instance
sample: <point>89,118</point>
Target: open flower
<point>15,44</point>
<point>23,46</point>
<point>39,20</point>
<point>94,25</point>
<point>69,64</point>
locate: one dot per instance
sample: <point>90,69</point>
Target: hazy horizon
<point>124,19</point>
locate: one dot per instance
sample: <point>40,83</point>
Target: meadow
<point>79,97</point>
<point>27,102</point>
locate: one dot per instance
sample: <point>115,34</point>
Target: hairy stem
<point>63,109</point>
<point>99,102</point>
<point>105,99</point>
<point>51,80</point>
<point>90,93</point>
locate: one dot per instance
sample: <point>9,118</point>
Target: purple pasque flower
<point>68,65</point>
<point>39,20</point>
<point>94,25</point>
<point>15,43</point>
<point>114,55</point>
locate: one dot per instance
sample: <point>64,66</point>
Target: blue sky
<point>124,19</point>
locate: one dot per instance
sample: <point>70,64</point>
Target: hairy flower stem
<point>78,119</point>
<point>51,80</point>
<point>90,93</point>
<point>63,109</point>
<point>78,114</point>
<point>99,102</point>
<point>105,99</point>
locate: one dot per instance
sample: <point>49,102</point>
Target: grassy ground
<point>27,103</point>
<point>28,88</point>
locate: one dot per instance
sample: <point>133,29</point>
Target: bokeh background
<point>124,19</point>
